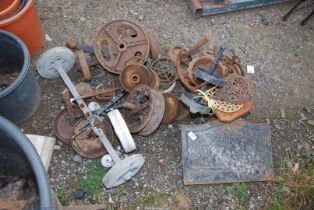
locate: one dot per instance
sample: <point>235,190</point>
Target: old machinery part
<point>186,57</point>
<point>93,106</point>
<point>107,106</point>
<point>84,66</point>
<point>171,108</point>
<point>86,143</point>
<point>183,76</point>
<point>173,53</point>
<point>101,92</point>
<point>106,161</point>
<point>154,46</point>
<point>121,130</point>
<point>73,44</point>
<point>228,117</point>
<point>211,79</point>
<point>213,66</point>
<point>166,70</point>
<point>124,41</point>
<point>183,112</point>
<point>188,99</point>
<point>155,80</point>
<point>144,97</point>
<point>203,62</point>
<point>68,105</point>
<point>92,120</point>
<point>83,88</point>
<point>123,171</point>
<point>157,115</point>
<point>135,74</point>
<point>58,56</point>
<point>62,126</point>
<point>226,107</point>
<point>236,89</point>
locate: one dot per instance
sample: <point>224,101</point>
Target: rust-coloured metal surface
<point>166,71</point>
<point>84,66</point>
<point>83,88</point>
<point>62,127</point>
<point>171,108</point>
<point>155,80</point>
<point>68,105</point>
<point>236,89</point>
<point>229,117</point>
<point>125,41</point>
<point>226,152</point>
<point>154,46</point>
<point>183,112</point>
<point>135,74</point>
<point>86,143</point>
<point>108,93</point>
<point>157,115</point>
<point>138,119</point>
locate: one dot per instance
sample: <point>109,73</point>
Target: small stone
<point>283,114</point>
<point>162,162</point>
<point>110,199</point>
<point>170,126</point>
<point>295,167</point>
<point>79,194</point>
<point>77,158</point>
<point>310,122</point>
<point>141,17</point>
<point>307,109</point>
<point>82,19</point>
<point>57,147</point>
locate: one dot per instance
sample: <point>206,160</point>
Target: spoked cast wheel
<point>123,171</point>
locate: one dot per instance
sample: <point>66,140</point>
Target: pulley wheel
<point>57,56</point>
<point>123,171</point>
<point>133,75</point>
<point>171,108</point>
<point>143,96</point>
<point>157,115</point>
<point>183,112</point>
<point>62,127</point>
<point>155,80</point>
<point>166,70</point>
<point>124,40</point>
<point>86,143</point>
<point>154,47</point>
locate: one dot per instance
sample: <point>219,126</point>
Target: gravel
<point>281,52</point>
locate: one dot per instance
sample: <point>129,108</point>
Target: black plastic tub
<point>18,157</point>
<point>19,99</point>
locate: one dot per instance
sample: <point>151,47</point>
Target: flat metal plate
<point>227,152</point>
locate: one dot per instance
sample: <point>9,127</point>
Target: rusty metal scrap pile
<point>142,87</point>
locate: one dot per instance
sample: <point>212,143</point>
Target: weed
<point>241,189</point>
<point>63,196</point>
<point>92,184</point>
<point>228,189</point>
<point>154,198</point>
<point>295,189</point>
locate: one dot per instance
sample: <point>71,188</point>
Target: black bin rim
<point>45,195</point>
<point>25,67</point>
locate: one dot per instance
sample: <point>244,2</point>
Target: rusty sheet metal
<point>226,152</point>
<point>208,7</point>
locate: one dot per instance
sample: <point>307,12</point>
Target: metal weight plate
<point>123,171</point>
<point>124,41</point>
<point>55,57</point>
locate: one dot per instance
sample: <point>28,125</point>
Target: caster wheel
<point>123,171</point>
